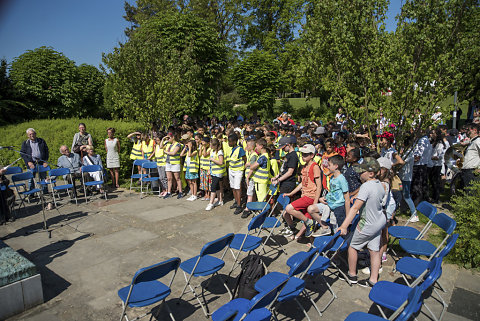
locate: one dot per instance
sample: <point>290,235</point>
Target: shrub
<point>57,132</point>
<point>466,207</point>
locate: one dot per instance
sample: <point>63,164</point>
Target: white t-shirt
<point>372,219</point>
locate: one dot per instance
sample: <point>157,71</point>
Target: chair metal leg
<point>301,308</point>
<point>381,311</point>
<point>168,309</point>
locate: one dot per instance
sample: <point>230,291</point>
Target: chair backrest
<point>268,296</point>
<point>450,243</point>
<point>303,262</point>
<point>217,245</point>
<point>42,169</point>
<point>445,222</point>
<point>139,162</point>
<point>91,168</point>
<point>156,271</point>
<point>427,209</point>
<point>434,272</point>
<point>283,200</point>
<point>13,170</point>
<point>414,303</point>
<point>325,243</point>
<point>272,189</point>
<point>149,165</point>
<point>22,176</point>
<point>59,171</point>
<point>257,221</point>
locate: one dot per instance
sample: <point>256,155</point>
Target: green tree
<point>47,81</point>
<point>170,65</point>
<point>11,110</point>
<point>343,52</point>
<point>257,79</point>
<point>91,82</point>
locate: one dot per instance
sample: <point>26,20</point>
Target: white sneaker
<point>322,231</point>
<point>367,270</point>
<point>209,207</point>
<point>413,219</point>
<point>192,198</point>
<point>219,204</point>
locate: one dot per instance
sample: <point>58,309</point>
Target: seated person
<point>91,158</point>
<point>7,198</point>
<point>72,162</point>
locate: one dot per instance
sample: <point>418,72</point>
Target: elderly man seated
<point>72,162</point>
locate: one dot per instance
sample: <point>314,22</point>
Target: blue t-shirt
<point>338,186</point>
<point>262,161</point>
<point>241,152</point>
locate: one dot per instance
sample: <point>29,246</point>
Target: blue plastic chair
<point>256,309</point>
<point>14,170</point>
<point>23,178</point>
<point>247,242</point>
<point>411,233</point>
<point>44,182</point>
<point>272,222</point>
<point>321,246</point>
<point>392,295</point>
<point>145,289</point>
<point>65,187</point>
<point>403,313</point>
<point>137,162</point>
<point>148,178</point>
<point>423,247</point>
<point>414,267</point>
<point>91,169</point>
<point>261,206</point>
<point>206,265</point>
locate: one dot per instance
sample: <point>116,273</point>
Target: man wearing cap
<point>311,187</point>
<point>372,221</point>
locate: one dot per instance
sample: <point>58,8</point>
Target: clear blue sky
<point>80,29</point>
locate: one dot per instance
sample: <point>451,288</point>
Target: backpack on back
<point>252,271</point>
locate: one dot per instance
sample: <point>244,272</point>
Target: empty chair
<point>414,267</point>
<point>403,313</point>
<point>22,179</point>
<point>89,169</point>
<point>145,289</point>
<point>14,170</point>
<point>247,242</point>
<point>423,247</point>
<point>205,264</point>
<point>45,182</point>
<point>321,262</point>
<point>65,187</point>
<point>409,232</point>
<point>392,295</point>
<point>148,177</point>
<point>272,222</point>
<point>256,309</point>
<point>137,162</point>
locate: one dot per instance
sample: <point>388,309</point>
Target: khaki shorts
<point>359,241</point>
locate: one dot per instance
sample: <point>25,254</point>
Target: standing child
<point>205,179</point>
<point>191,163</point>
<point>337,200</point>
<point>372,221</point>
<point>112,146</point>
<point>136,153</point>
<point>217,170</point>
<point>262,170</point>
<point>251,159</point>
<point>235,171</point>
<point>160,158</point>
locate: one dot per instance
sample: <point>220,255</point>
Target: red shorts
<point>302,204</point>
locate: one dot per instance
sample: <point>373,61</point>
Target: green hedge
<point>466,210</point>
<point>57,132</point>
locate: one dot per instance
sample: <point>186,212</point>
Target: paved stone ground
<point>95,249</point>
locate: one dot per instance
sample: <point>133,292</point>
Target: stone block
<point>32,291</point>
<point>11,299</point>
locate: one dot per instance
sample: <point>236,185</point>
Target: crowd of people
<point>329,172</point>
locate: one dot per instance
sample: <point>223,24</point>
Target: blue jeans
<point>406,195</point>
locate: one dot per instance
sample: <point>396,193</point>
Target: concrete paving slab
<point>167,212</point>
<point>127,239</point>
<point>468,280</point>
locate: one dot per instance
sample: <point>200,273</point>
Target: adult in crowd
<point>422,154</point>
<point>73,163</point>
<point>35,153</point>
<point>471,162</point>
<point>112,146</point>
<point>81,140</point>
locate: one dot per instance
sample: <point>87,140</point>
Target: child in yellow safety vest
<point>160,158</point>
<point>251,159</point>
<point>191,164</point>
<point>205,179</point>
<point>217,171</point>
<point>136,152</point>
<point>260,170</point>
<point>172,166</point>
<point>237,160</point>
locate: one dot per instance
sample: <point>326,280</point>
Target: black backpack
<point>252,270</point>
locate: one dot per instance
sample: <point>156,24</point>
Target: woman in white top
<point>112,146</point>
<point>439,149</point>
